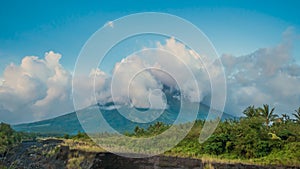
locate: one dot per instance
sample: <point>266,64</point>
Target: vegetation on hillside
<point>9,137</point>
<point>261,137</point>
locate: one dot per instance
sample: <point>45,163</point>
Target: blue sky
<point>249,30</point>
<point>234,27</point>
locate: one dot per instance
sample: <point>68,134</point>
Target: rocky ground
<point>55,154</point>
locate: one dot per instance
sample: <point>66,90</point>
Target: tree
<point>8,137</point>
<point>216,144</point>
<point>267,114</point>
<point>297,115</point>
<point>6,129</point>
<point>250,112</point>
<point>139,131</point>
<point>285,118</point>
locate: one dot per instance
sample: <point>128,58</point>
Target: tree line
<point>261,135</point>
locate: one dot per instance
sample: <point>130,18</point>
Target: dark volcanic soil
<point>50,154</point>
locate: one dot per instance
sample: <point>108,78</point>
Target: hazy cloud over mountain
<point>40,88</point>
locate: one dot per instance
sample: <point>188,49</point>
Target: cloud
<point>172,64</point>
<point>35,89</point>
<point>40,88</point>
<point>268,75</point>
<point>1,81</point>
<point>132,84</point>
<point>97,80</point>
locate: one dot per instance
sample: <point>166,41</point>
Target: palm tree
<point>267,114</point>
<point>250,112</point>
<point>285,118</point>
<point>297,115</point>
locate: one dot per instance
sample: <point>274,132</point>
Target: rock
<point>63,153</point>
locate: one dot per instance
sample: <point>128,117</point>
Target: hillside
<point>69,123</point>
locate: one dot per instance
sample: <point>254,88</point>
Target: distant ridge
<point>69,123</point>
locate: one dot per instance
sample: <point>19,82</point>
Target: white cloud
<point>40,88</point>
<point>267,75</point>
<point>171,64</point>
<point>132,84</point>
<point>97,80</point>
<point>35,89</point>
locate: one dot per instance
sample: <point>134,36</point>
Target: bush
<point>8,137</point>
<point>216,144</point>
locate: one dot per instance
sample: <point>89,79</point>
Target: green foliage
<point>267,114</point>
<point>289,154</point>
<point>152,130</point>
<point>250,112</point>
<point>2,167</point>
<point>259,137</point>
<point>216,144</point>
<point>66,136</point>
<point>297,115</point>
<point>9,137</point>
<point>78,136</point>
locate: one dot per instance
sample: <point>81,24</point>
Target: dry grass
<point>208,166</point>
<point>74,163</point>
<point>86,146</point>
